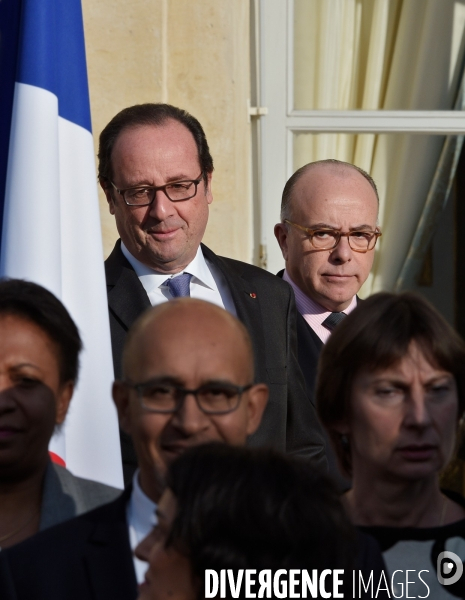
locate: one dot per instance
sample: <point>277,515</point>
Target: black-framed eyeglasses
<point>144,195</point>
<point>214,398</point>
<point>327,239</point>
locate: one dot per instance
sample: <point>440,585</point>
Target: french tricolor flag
<point>49,217</point>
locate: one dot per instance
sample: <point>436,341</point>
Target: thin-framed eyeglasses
<point>213,398</point>
<point>360,240</point>
<point>144,195</point>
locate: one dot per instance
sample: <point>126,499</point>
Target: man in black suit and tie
<point>156,170</point>
<point>188,379</point>
<point>327,235</point>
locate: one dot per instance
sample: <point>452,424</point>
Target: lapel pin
<point>253,295</point>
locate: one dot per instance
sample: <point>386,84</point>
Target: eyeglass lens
<point>181,190</point>
<point>358,240</point>
<point>211,398</point>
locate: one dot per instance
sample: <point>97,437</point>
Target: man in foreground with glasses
<point>327,235</point>
<point>187,379</point>
<point>156,169</point>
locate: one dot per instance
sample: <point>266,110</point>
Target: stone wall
<point>194,55</point>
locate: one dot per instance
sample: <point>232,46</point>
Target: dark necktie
<point>179,286</point>
<point>333,319</point>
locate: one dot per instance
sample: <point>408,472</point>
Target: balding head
<point>192,326</point>
<point>332,167</point>
<point>329,197</point>
<point>185,344</point>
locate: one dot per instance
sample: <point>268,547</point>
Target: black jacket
<point>309,347</point>
<point>86,558</point>
<point>89,558</point>
<point>266,306</point>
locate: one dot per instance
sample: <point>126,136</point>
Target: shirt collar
<point>142,508</point>
<point>307,306</point>
<point>152,279</point>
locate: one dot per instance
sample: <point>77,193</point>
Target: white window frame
<point>278,125</point>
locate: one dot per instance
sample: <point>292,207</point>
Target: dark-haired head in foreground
<point>390,392</point>
<point>239,508</point>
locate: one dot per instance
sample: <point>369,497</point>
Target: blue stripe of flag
<point>41,44</point>
<point>52,55</point>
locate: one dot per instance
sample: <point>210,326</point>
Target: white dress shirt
<point>207,281</point>
<point>141,519</point>
<point>313,312</point>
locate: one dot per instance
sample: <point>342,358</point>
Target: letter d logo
<point>449,568</point>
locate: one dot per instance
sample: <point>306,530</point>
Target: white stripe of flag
<point>51,225</point>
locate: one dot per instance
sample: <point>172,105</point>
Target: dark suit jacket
<point>266,307</point>
<point>86,558</point>
<point>309,347</point>
<point>89,558</point>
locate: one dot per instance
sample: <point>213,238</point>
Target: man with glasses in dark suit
<point>188,379</point>
<point>156,169</point>
<point>327,234</point>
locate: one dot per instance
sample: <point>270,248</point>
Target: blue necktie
<point>334,319</point>
<point>179,286</point>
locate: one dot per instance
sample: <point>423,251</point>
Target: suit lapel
<point>304,331</point>
<point>109,564</point>
<point>127,297</point>
<point>56,505</point>
<point>246,302</point>
<point>108,555</point>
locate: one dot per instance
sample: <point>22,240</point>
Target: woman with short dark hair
<point>391,393</point>
<point>39,365</point>
<point>241,508</point>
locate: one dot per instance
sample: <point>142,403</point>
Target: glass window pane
<point>360,54</point>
